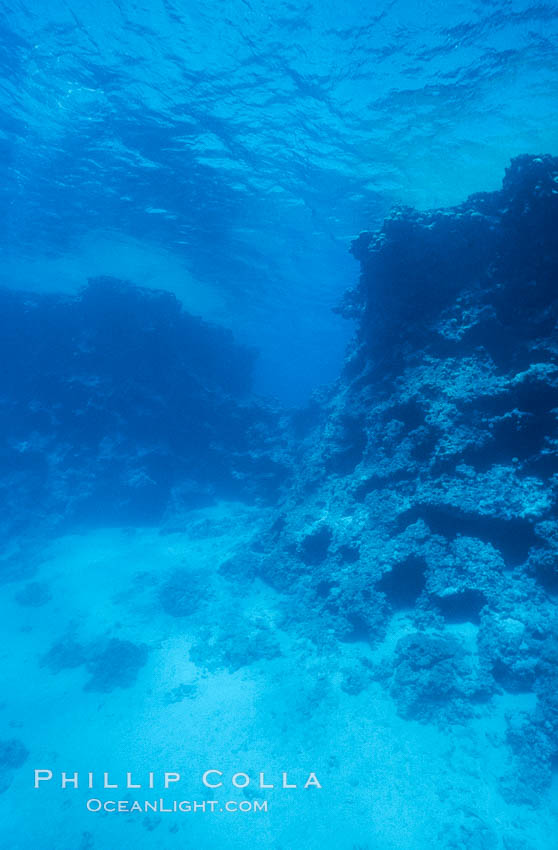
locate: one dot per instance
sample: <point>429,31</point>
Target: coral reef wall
<point>119,406</point>
<point>427,479</point>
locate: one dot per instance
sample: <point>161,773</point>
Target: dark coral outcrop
<point>13,755</point>
<point>111,662</point>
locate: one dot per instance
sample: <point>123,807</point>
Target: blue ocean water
<point>279,499</point>
<point>228,151</point>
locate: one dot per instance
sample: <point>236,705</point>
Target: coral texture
<point>427,476</point>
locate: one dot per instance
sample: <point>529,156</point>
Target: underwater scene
<point>279,425</point>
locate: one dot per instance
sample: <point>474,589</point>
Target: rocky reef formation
<point>428,474</point>
<point>411,506</point>
<point>118,406</point>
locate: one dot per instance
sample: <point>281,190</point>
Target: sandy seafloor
<point>387,783</point>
